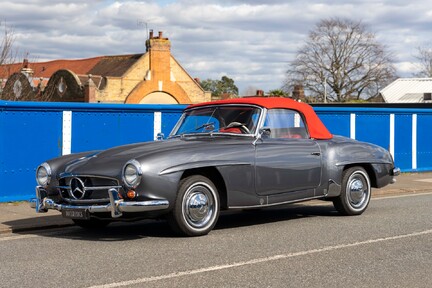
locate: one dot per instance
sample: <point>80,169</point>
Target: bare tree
<point>341,61</point>
<point>7,39</point>
<point>424,57</point>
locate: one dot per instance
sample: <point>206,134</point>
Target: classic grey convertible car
<point>231,154</point>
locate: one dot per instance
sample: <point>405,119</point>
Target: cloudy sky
<point>249,41</point>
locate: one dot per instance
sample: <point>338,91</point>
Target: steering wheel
<point>242,127</point>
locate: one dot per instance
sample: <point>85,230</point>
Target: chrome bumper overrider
<point>395,172</point>
<point>116,206</point>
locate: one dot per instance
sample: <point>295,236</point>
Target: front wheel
<point>356,192</point>
<point>197,206</point>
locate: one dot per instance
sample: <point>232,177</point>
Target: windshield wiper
<point>208,126</point>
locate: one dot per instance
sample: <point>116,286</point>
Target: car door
<point>286,160</point>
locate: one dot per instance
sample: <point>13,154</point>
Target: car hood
<point>109,163</point>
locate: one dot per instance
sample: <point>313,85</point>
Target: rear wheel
<point>197,206</point>
<point>356,192</point>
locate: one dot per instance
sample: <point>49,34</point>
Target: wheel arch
<point>369,170</point>
<point>213,174</point>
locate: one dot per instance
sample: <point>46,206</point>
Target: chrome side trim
<point>116,206</point>
<point>199,164</point>
<point>275,204</point>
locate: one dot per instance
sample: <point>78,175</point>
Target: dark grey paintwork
<point>287,169</point>
<point>248,171</point>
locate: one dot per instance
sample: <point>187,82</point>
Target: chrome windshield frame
<point>184,115</point>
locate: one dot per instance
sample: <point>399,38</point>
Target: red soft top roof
<point>317,130</point>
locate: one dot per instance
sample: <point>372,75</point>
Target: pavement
<point>16,217</point>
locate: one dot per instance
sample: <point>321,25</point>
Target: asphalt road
<point>307,245</point>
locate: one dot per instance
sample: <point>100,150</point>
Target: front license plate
<point>76,213</point>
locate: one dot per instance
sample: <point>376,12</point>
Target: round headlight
<point>43,174</point>
<point>132,173</point>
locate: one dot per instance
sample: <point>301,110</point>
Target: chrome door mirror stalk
<point>160,136</point>
<point>263,132</point>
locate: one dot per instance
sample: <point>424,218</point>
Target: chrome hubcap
<point>198,205</point>
<point>357,191</point>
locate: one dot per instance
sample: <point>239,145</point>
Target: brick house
<point>152,77</point>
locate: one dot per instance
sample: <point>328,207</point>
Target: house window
<point>17,88</point>
<point>61,87</point>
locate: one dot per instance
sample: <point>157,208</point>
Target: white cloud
<point>250,41</point>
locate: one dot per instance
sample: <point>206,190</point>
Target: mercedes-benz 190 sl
<point>241,153</point>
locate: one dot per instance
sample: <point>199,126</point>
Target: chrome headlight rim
<point>48,172</point>
<point>136,166</point>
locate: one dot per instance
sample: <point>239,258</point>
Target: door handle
<point>316,153</point>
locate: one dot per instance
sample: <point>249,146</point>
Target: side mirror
<point>263,132</point>
<point>160,136</point>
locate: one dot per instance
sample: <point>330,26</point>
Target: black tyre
<point>355,192</point>
<point>91,223</point>
<point>197,207</point>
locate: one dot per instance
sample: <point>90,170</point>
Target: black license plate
<point>76,213</point>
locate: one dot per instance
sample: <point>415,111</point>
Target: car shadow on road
<point>121,231</point>
<point>234,219</point>
<point>116,231</point>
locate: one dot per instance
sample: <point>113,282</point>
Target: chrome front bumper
<point>116,206</point>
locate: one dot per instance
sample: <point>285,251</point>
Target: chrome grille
<point>83,189</point>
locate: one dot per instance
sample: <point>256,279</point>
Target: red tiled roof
<point>115,66</point>
<point>102,65</point>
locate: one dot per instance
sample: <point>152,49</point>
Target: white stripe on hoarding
<point>352,126</point>
<point>67,133</point>
<point>157,123</point>
<point>392,135</point>
<point>414,141</point>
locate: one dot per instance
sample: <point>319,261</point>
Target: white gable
<point>407,90</point>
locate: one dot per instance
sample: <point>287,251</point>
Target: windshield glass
<point>225,119</point>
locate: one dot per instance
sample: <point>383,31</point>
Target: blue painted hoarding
<point>32,132</point>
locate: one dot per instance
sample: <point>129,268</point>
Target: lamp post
<point>325,89</point>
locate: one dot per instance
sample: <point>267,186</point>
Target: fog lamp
<point>131,194</point>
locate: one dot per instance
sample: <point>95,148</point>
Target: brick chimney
<point>159,49</point>
<point>26,70</point>
<point>298,92</point>
<point>90,90</point>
